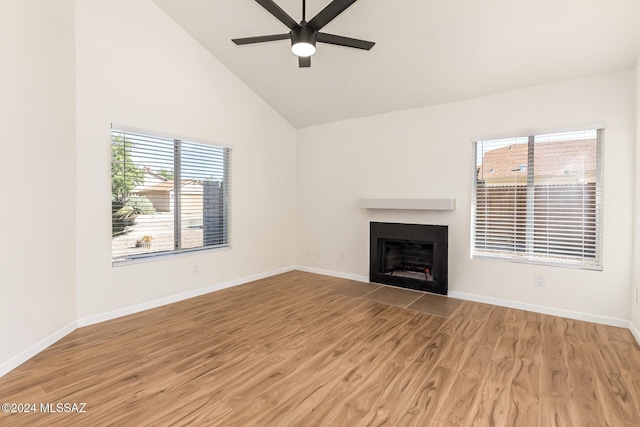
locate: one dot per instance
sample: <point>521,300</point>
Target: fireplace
<point>411,256</point>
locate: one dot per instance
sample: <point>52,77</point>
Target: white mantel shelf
<point>409,204</point>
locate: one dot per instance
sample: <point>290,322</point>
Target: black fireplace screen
<point>409,255</point>
<point>407,258</point>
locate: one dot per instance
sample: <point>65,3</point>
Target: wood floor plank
<point>347,353</point>
<point>304,349</point>
<point>503,361</point>
<point>617,399</point>
<point>362,401</point>
<point>412,390</point>
<point>554,375</point>
<point>429,395</point>
<point>454,410</point>
<point>386,340</point>
<point>513,321</point>
<point>555,414</point>
<point>588,410</point>
<point>198,412</point>
<point>491,407</point>
<point>629,352</point>
<point>524,408</point>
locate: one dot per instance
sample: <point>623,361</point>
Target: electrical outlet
<point>540,281</point>
<point>343,257</point>
<point>195,269</point>
<point>317,253</point>
<point>636,294</point>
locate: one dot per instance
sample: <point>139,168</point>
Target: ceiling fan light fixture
<point>303,41</point>
<point>303,49</point>
<point>304,35</point>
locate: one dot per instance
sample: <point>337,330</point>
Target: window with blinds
<point>168,195</point>
<point>538,199</point>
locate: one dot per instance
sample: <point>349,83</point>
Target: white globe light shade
<point>303,49</point>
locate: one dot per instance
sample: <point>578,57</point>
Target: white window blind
<point>538,199</point>
<point>168,195</point>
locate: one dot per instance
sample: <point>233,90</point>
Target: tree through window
<point>168,195</point>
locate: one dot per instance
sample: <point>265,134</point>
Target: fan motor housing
<point>303,34</point>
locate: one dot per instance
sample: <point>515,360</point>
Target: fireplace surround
<point>413,256</point>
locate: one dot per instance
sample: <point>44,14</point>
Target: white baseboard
<point>594,318</point>
<point>27,354</point>
<point>125,311</point>
<point>332,273</point>
<point>634,331</point>
<point>19,359</point>
<point>611,321</point>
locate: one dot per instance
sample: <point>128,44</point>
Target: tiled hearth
<point>405,298</point>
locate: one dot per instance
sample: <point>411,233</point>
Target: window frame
<point>227,158</point>
<point>528,256</point>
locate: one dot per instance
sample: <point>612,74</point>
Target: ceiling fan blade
<point>277,11</point>
<point>304,61</point>
<point>344,41</point>
<point>260,39</point>
<point>326,15</point>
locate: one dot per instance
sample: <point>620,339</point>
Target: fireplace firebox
<point>413,256</point>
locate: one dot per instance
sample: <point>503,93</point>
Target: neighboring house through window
<point>538,199</point>
<point>168,195</point>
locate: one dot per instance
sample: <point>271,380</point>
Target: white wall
<point>137,67</point>
<point>427,153</point>
<point>37,254</point>
<point>635,284</point>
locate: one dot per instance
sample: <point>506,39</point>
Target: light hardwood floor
<point>303,350</point>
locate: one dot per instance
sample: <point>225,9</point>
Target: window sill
<point>170,255</point>
<point>537,261</point>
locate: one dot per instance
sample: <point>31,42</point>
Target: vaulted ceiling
<point>427,51</point>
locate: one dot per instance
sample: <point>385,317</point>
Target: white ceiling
<point>427,51</point>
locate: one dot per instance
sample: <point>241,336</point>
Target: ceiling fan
<point>305,35</point>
